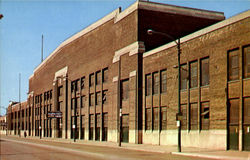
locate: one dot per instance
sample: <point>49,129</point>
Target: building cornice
<point>201,32</point>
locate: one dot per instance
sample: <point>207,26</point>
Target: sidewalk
<point>186,151</point>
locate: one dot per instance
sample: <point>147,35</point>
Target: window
<point>155,83</point>
<point>105,127</point>
<point>125,89</point>
<point>91,126</point>
<point>59,106</point>
<point>104,96</point>
<point>183,76</point>
<point>163,123</point>
<point>72,86</point>
<point>45,96</point>
<point>234,111</point>
<point>77,84</point>
<point>98,98</point>
<point>246,62</point>
<point>155,118</point>
<point>246,119</point>
<point>82,82</point>
<point>105,75</point>
<point>204,115</point>
<point>184,118</point>
<point>193,116</point>
<point>193,74</point>
<point>82,101</point>
<point>82,126</point>
<point>60,90</point>
<point>148,118</point>
<point>91,80</point>
<point>98,78</point>
<point>91,99</point>
<point>50,95</point>
<point>204,71</point>
<point>98,127</point>
<point>148,85</point>
<point>78,102</point>
<point>163,81</point>
<point>72,103</point>
<point>233,65</point>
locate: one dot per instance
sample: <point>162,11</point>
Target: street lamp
<point>178,115</point>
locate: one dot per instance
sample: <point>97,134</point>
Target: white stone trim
<point>127,11</point>
<point>132,74</point>
<point>61,73</point>
<point>31,76</point>
<point>201,32</point>
<point>132,49</point>
<point>115,79</point>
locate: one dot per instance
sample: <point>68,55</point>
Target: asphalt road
<point>13,148</point>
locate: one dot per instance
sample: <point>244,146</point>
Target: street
<point>14,148</point>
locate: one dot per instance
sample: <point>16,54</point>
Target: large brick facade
<point>99,74</point>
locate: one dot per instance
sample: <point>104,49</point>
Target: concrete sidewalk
<point>186,151</point>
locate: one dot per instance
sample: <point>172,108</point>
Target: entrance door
<point>233,124</point>
<point>125,128</point>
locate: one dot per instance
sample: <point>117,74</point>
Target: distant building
<point>114,65</point>
<point>3,124</point>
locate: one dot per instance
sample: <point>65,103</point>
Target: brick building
<point>114,68</point>
<point>3,124</point>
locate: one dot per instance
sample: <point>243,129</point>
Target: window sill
<point>206,86</point>
<point>233,81</point>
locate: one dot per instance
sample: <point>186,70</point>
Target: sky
<point>25,22</point>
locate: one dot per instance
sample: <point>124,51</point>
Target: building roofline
<point>117,15</point>
<point>201,32</point>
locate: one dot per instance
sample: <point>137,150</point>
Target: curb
<point>199,155</point>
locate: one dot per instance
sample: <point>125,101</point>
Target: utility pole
<point>19,127</point>
<point>42,50</point>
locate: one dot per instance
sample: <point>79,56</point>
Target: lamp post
<point>40,131</point>
<point>178,115</point>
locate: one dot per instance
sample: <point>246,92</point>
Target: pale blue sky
<point>25,21</point>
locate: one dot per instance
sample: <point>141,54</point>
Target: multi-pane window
<point>91,99</point>
<point>163,123</point>
<point>156,80</point>
<point>82,126</point>
<point>78,102</point>
<point>98,127</point>
<point>233,65</point>
<point>184,116</point>
<point>91,80</point>
<point>50,95</point>
<point>82,101</point>
<point>105,127</point>
<point>155,118</point>
<point>204,115</point>
<point>59,106</point>
<point>204,71</point>
<point>98,78</point>
<point>104,97</point>
<point>77,84</point>
<point>183,76</point>
<point>148,118</point>
<point>72,103</point>
<point>163,81</point>
<point>193,116</point>
<point>60,90</point>
<point>91,126</point>
<point>72,86</point>
<point>98,98</point>
<point>148,85</point>
<point>82,82</point>
<point>246,119</point>
<point>105,75</point>
<point>246,62</point>
<point>125,89</point>
<point>193,74</point>
<point>234,111</point>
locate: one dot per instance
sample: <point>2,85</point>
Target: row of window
<point>156,84</point>
<point>234,63</point>
<point>153,118</point>
<point>194,116</point>
<point>94,78</point>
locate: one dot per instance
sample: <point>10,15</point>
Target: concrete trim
<point>127,11</point>
<point>132,74</point>
<point>132,49</point>
<point>62,72</point>
<point>115,79</point>
<point>201,32</point>
<point>31,76</point>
